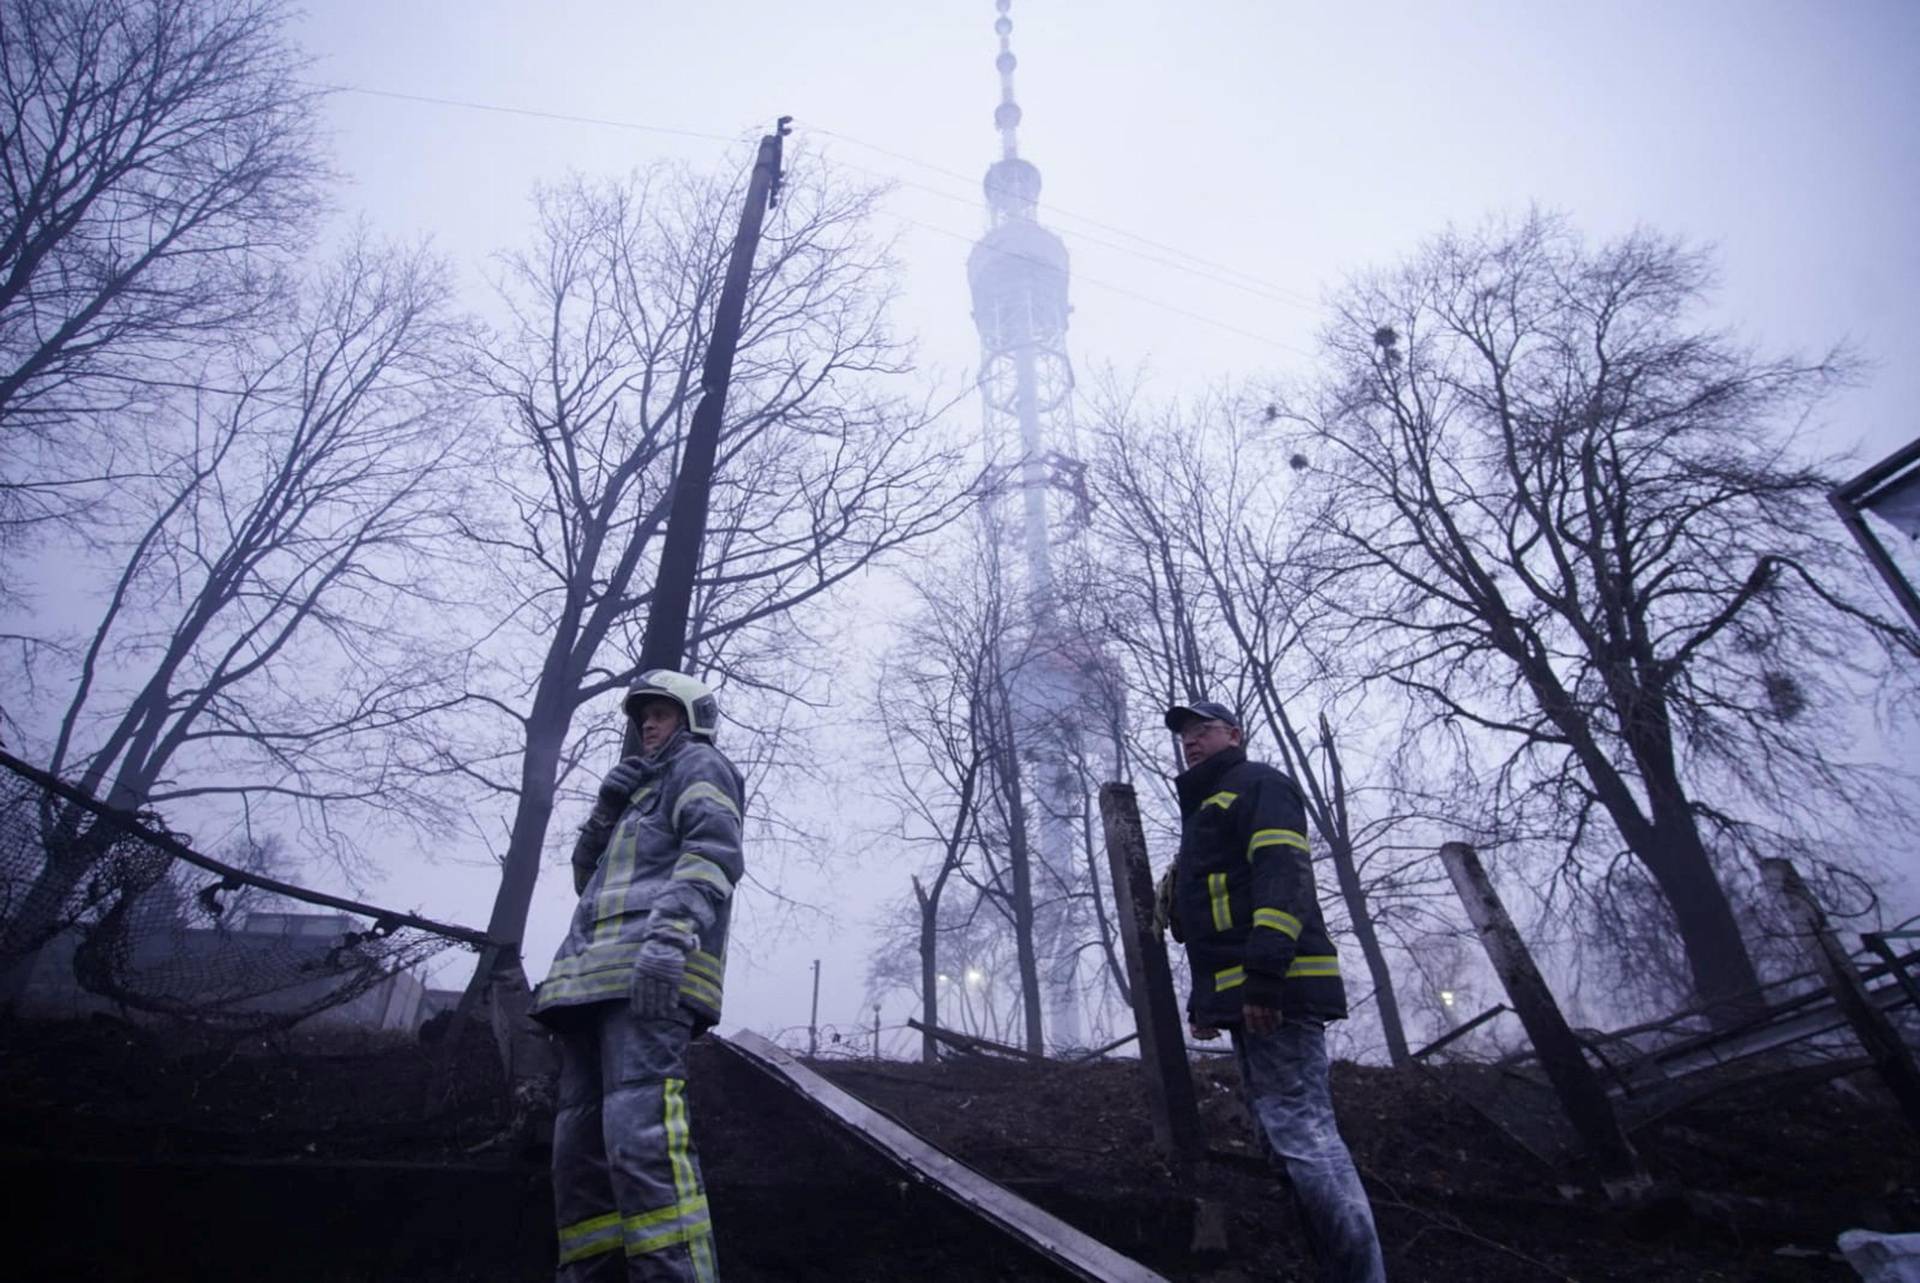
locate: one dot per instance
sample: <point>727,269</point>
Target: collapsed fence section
<point>101,910</point>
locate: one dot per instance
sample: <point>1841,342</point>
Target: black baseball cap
<point>1204,709</point>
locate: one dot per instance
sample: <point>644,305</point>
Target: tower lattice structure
<point>1019,275</point>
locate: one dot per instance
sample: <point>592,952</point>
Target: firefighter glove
<point>618,786</point>
<point>588,848</point>
<point>1163,907</point>
<point>660,966</point>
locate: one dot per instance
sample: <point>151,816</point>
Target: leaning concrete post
<point>1573,1079</point>
<point>1891,1057</point>
<point>1163,1049</point>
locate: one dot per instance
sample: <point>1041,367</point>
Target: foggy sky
<point>1285,145</point>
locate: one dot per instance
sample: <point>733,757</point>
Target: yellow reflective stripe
<point>703,789</point>
<point>704,990</point>
<point>618,866</point>
<point>1314,965</point>
<point>674,1099</point>
<point>693,867</point>
<point>698,1227</point>
<point>1222,909</point>
<point>605,984</point>
<point>1279,920</point>
<point>700,1248</point>
<point>1229,978</point>
<point>1223,800</point>
<point>596,957</point>
<point>590,1238</point>
<point>1275,837</point>
<point>686,1183</point>
<point>702,963</point>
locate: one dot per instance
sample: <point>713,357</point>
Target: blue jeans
<point>628,1198</point>
<point>1284,1076</point>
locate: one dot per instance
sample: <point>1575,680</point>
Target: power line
<point>1232,277</point>
<point>532,112</point>
<point>1278,290</point>
<point>1237,281</point>
<point>1122,290</point>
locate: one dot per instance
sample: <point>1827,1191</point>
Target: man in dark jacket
<point>1240,897</point>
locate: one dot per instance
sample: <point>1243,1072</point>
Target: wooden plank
<point>1878,1038</point>
<point>1156,1013</point>
<point>1079,1254</point>
<point>1576,1084</point>
<point>973,1045</point>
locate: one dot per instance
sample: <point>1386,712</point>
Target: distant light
<point>945,979</point>
<point>1446,997</point>
<point>976,977</point>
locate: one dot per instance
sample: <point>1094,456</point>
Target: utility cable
<point>1234,278</point>
<point>1080,279</point>
<point>531,112</point>
<point>1253,281</point>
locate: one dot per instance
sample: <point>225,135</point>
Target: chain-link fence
<point>105,911</point>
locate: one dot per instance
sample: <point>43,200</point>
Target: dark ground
<point>130,1158</point>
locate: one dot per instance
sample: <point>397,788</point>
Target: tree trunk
<point>1019,860</point>
<point>1340,851</point>
<point>532,814</point>
<point>1346,870</point>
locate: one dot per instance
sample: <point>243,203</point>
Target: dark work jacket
<point>1243,897</point>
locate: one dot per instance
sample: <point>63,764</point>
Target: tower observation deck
<point>1018,274</point>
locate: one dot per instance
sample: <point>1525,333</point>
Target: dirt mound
<point>344,1163</point>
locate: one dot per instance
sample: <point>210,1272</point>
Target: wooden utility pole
<point>499,971</point>
<point>1891,1056</point>
<point>1163,1048</point>
<point>813,1015</point>
<point>1581,1094</point>
<point>665,643</point>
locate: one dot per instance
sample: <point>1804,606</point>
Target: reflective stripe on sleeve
<point>1279,920</point>
<point>1274,837</point>
<point>692,867</point>
<point>1314,965</point>
<point>1229,978</point>
<point>703,790</point>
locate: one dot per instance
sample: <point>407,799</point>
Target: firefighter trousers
<point>627,1194</point>
<point>1284,1076</point>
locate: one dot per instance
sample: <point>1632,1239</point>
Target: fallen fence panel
<point>1077,1253</point>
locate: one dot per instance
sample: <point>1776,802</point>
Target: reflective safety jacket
<point>1243,896</point>
<point>675,847</point>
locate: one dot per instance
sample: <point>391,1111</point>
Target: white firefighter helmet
<point>693,697</point>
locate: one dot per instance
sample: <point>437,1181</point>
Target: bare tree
<point>928,694</point>
<point>255,641</point>
<point>1197,578</point>
<point>1578,532</point>
<point>824,464</point>
<point>160,165</point>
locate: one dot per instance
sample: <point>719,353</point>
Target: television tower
<point>1018,275</point>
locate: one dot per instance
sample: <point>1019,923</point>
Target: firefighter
<point>1240,896</point>
<point>638,976</point>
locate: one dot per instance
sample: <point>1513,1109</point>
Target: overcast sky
<point>1214,168</point>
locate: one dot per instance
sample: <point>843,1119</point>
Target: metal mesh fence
<point>104,911</point>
